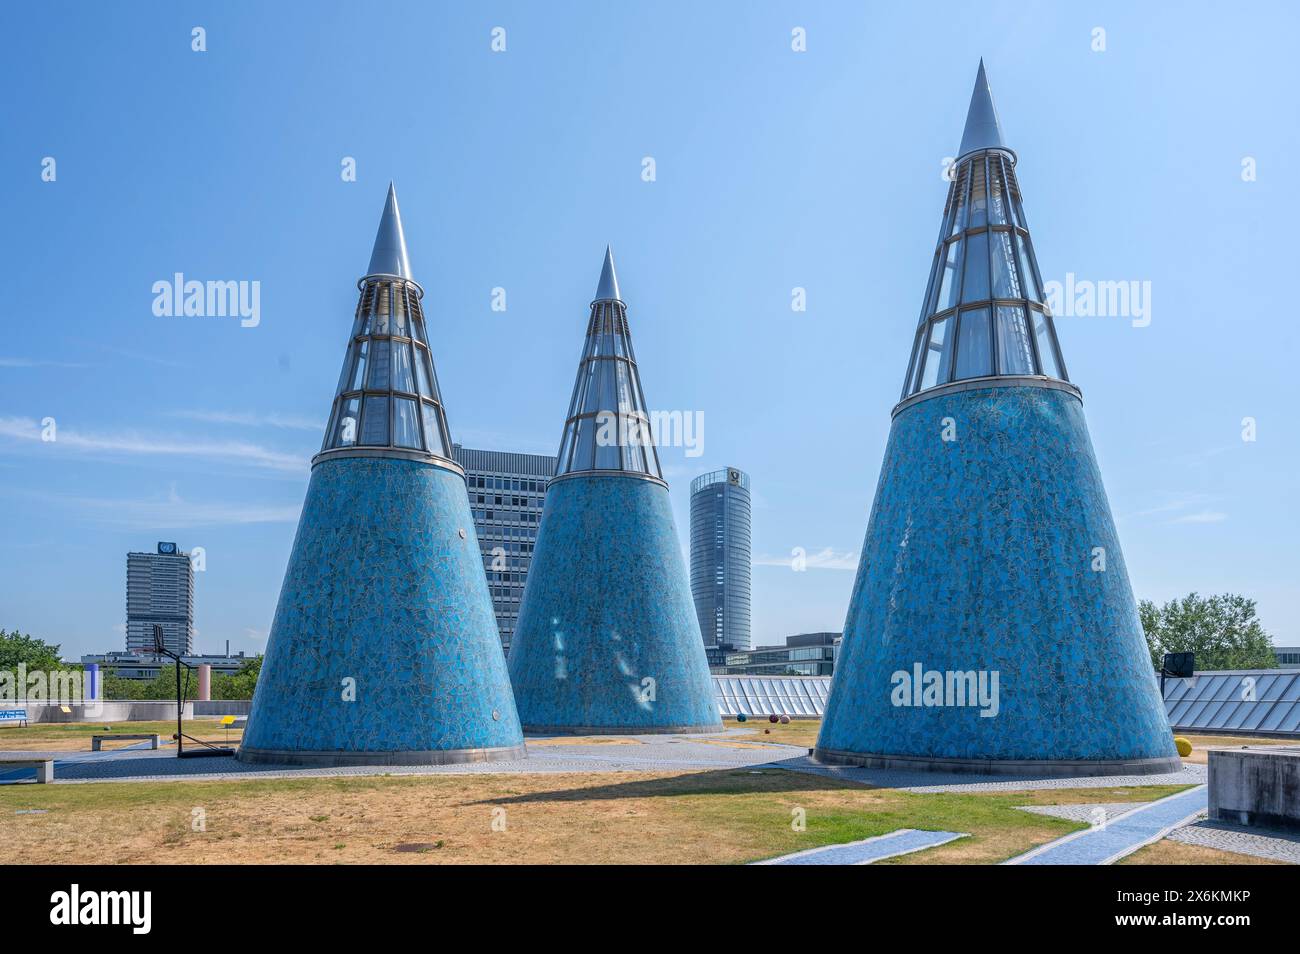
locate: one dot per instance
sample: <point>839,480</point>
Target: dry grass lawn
<point>1166,852</point>
<point>700,817</point>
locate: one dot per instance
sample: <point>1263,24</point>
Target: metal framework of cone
<point>977,635</point>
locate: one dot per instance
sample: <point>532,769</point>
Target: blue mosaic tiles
<point>385,586</point>
<point>980,555</point>
<point>607,639</point>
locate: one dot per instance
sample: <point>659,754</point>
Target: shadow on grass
<point>741,781</point>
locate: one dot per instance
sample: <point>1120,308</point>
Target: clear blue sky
<point>775,169</point>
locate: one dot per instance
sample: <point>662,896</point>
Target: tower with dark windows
<point>721,561</point>
<point>992,625</point>
<point>607,640</point>
<point>384,648</point>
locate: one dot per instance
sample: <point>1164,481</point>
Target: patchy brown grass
<point>800,732</point>
<point>1168,852</point>
<point>613,818</point>
<point>1201,744</point>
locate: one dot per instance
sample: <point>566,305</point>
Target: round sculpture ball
<point>785,720</point>
<point>741,717</point>
<point>773,719</point>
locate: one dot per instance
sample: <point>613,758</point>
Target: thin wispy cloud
<point>824,559</point>
<point>38,363</point>
<point>251,419</point>
<point>129,443</point>
<point>1201,516</point>
<point>170,512</point>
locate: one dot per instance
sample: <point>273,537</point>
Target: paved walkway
<point>901,842</point>
<point>642,753</point>
<point>1258,842</point>
<point>1123,835</point>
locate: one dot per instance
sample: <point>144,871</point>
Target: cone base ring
<point>415,757</point>
<point>623,729</point>
<point>1058,768</point>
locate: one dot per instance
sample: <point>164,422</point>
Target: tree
<point>239,684</point>
<point>1222,631</point>
<point>18,648</point>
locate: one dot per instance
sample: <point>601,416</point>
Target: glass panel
<point>421,376</point>
<point>374,422</point>
<point>948,287</point>
<point>1028,282</point>
<point>379,324</point>
<point>344,376</point>
<point>1005,283</point>
<point>959,215</point>
<point>359,372</point>
<point>1043,338</point>
<point>937,355</point>
<point>978,200</point>
<point>1014,354</point>
<point>975,280</point>
<point>997,201</point>
<point>609,434</point>
<point>345,432</point>
<point>974,349</point>
<point>406,427</point>
<point>403,379</point>
<point>379,365</point>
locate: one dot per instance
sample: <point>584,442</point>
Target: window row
<point>381,420</point>
<point>973,342</point>
<point>507,483</point>
<point>383,364</point>
<point>995,263</point>
<point>984,192</point>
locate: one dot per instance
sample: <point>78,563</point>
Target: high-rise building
<point>992,625</point>
<point>506,491</point>
<point>721,558</point>
<point>383,650</point>
<point>607,639</point>
<point>160,591</point>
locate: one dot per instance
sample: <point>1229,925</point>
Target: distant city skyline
<point>773,252</point>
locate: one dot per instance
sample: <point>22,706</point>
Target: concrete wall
<point>222,707</point>
<point>146,710</point>
<point>1256,786</point>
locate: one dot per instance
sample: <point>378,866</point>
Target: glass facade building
<point>506,493</point>
<point>721,557</point>
<point>160,591</point>
<point>808,654</point>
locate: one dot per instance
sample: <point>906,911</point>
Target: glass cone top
<point>984,312</point>
<point>608,429</point>
<point>387,402</point>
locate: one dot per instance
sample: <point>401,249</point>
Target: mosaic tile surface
<point>979,556</point>
<point>606,606</point>
<point>382,588</point>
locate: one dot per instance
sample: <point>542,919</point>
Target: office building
<point>160,592</point>
<point>506,492</point>
<point>807,654</point>
<point>721,559</point>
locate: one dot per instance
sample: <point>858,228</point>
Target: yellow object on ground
<point>1184,747</point>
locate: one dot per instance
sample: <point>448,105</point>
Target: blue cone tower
<point>992,626</point>
<point>608,640</point>
<point>384,649</point>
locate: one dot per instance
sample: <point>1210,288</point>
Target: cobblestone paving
<point>648,753</point>
<point>913,781</point>
<point>1092,814</point>
<point>1278,846</point>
